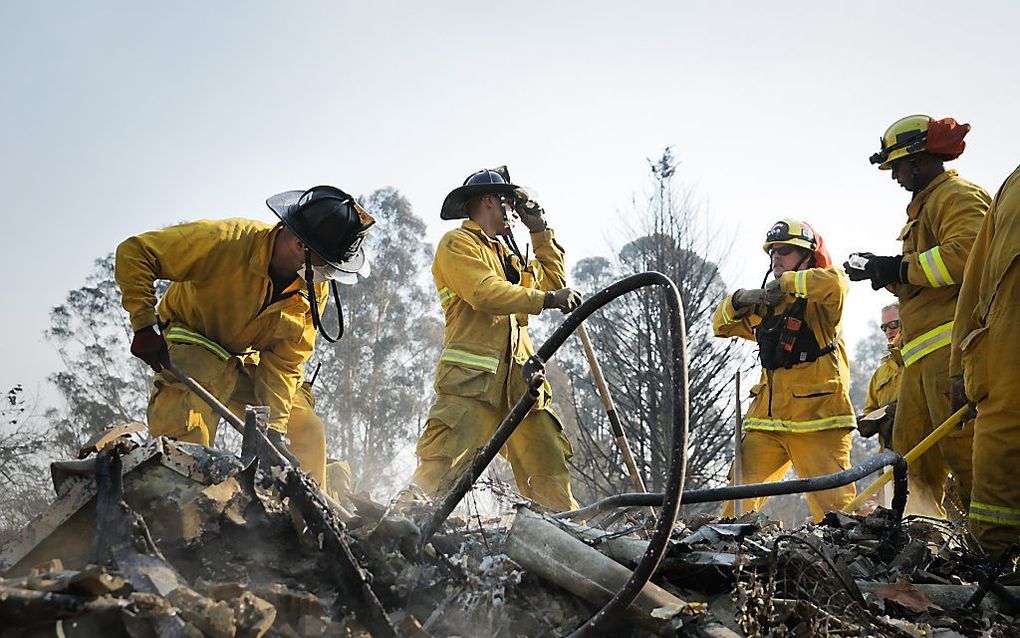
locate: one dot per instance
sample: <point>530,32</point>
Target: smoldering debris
<point>161,538</point>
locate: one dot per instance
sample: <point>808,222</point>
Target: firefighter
<point>801,411</point>
<point>943,217</point>
<point>986,365</point>
<point>488,290</point>
<point>884,387</point>
<point>241,313</point>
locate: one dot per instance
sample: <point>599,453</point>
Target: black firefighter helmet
<point>329,222</point>
<point>484,182</point>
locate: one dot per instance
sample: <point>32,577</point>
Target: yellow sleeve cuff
<point>143,320</point>
<point>536,301</point>
<point>542,239</point>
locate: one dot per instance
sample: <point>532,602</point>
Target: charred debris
<point>159,538</point>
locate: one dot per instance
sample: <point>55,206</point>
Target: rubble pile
<point>164,539</point>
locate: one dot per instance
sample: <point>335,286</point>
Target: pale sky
<point>119,117</point>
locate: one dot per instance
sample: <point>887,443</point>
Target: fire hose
<point>534,375</point>
<point>753,490</point>
<point>936,435</point>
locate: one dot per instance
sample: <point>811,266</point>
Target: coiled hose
<point>534,375</point>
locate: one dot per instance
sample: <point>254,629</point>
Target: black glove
<point>867,427</point>
<point>958,397</point>
<point>882,271</point>
<point>885,426</point>
<point>566,299</point>
<point>150,346</point>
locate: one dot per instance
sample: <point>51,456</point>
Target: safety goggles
<point>781,250</point>
<point>892,325</point>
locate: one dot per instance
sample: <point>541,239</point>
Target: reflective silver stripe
<point>929,342</point>
<point>470,360</point>
<point>181,335</point>
<point>828,423</point>
<point>994,514</point>
<point>935,268</point>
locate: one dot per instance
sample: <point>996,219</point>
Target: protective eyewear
<point>781,250</point>
<point>892,325</point>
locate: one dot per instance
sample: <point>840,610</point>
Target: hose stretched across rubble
<point>534,375</point>
<point>751,490</point>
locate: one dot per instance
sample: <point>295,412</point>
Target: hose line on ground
<point>753,490</point>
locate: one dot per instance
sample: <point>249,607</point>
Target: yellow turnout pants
<point>767,456</point>
<point>923,406</point>
<point>176,411</point>
<point>537,450</point>
<point>995,503</point>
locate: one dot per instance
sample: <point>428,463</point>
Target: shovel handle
<point>911,456</point>
<point>610,408</point>
<point>206,396</point>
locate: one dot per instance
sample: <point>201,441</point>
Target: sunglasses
<point>781,250</point>
<point>894,325</point>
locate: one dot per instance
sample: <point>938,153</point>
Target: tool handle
<point>911,456</point>
<point>610,407</point>
<point>206,396</point>
<point>596,373</point>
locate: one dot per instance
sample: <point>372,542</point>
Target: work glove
<point>744,297</point>
<point>885,426</point>
<point>531,213</point>
<point>882,427</point>
<point>774,294</point>
<point>882,271</point>
<point>867,427</point>
<point>566,299</point>
<point>150,346</point>
<point>278,441</point>
<point>958,396</point>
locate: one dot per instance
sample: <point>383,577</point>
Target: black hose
<point>534,375</point>
<point>751,490</point>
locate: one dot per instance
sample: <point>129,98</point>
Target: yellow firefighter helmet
<point>793,232</point>
<point>905,136</point>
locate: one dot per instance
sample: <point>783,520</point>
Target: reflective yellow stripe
<point>927,343</point>
<point>445,294</point>
<point>829,423</point>
<point>470,360</point>
<point>800,283</point>
<point>726,310</point>
<point>180,335</point>
<point>994,514</point>
<point>934,268</point>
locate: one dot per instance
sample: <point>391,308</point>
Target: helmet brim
<point>799,243</point>
<point>454,204</point>
<point>283,206</point>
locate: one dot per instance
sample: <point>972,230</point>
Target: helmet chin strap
<point>314,302</point>
<point>807,255</point>
<point>915,174</point>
